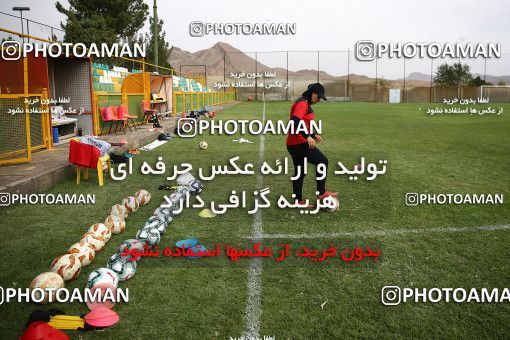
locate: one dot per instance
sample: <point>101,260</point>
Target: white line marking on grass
<point>253,308</point>
<point>389,232</point>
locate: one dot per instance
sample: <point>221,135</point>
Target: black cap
<point>317,88</point>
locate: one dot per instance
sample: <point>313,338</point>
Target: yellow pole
<point>27,116</point>
<point>145,84</point>
<point>143,80</point>
<point>124,99</point>
<point>96,113</point>
<point>174,103</point>
<point>46,121</point>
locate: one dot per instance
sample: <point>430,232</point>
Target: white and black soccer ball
<point>182,189</point>
<point>184,179</point>
<point>150,236</point>
<point>203,145</point>
<point>153,218</point>
<point>124,268</point>
<point>114,259</point>
<point>195,187</point>
<point>129,245</point>
<point>156,222</point>
<point>164,214</point>
<point>102,275</point>
<point>174,207</point>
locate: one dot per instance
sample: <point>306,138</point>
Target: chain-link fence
<point>29,27</point>
<point>284,75</point>
<point>78,88</point>
<point>24,111</point>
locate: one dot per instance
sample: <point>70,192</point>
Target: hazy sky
<point>326,25</point>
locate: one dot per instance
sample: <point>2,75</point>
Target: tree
<point>501,82</point>
<point>163,46</point>
<point>453,75</point>
<point>476,82</point>
<point>381,82</point>
<point>53,37</point>
<point>102,21</point>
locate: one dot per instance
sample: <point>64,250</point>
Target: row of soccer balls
<point>81,254</point>
<point>150,234</point>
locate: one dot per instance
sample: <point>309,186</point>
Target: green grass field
<point>207,298</point>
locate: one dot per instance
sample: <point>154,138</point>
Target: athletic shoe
<point>326,194</point>
<point>309,206</point>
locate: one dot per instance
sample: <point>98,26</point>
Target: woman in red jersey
<point>304,145</point>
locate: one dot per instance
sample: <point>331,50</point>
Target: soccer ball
<point>175,198</point>
<point>68,266</point>
<point>97,242</point>
<point>44,281</point>
<point>102,230</point>
<point>119,210</point>
<point>84,251</point>
<point>124,268</point>
<point>159,219</point>
<point>102,276</point>
<point>143,197</point>
<point>333,203</point>
<point>170,206</point>
<point>156,222</point>
<point>131,204</point>
<point>185,178</point>
<point>195,186</point>
<point>115,223</point>
<point>150,236</point>
<point>164,214</point>
<point>130,245</point>
<point>182,189</point>
<point>203,145</point>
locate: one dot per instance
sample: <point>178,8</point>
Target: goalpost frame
<point>482,87</point>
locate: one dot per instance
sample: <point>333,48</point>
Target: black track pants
<point>313,156</point>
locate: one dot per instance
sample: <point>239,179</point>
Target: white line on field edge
<point>388,232</point>
<point>253,308</point>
